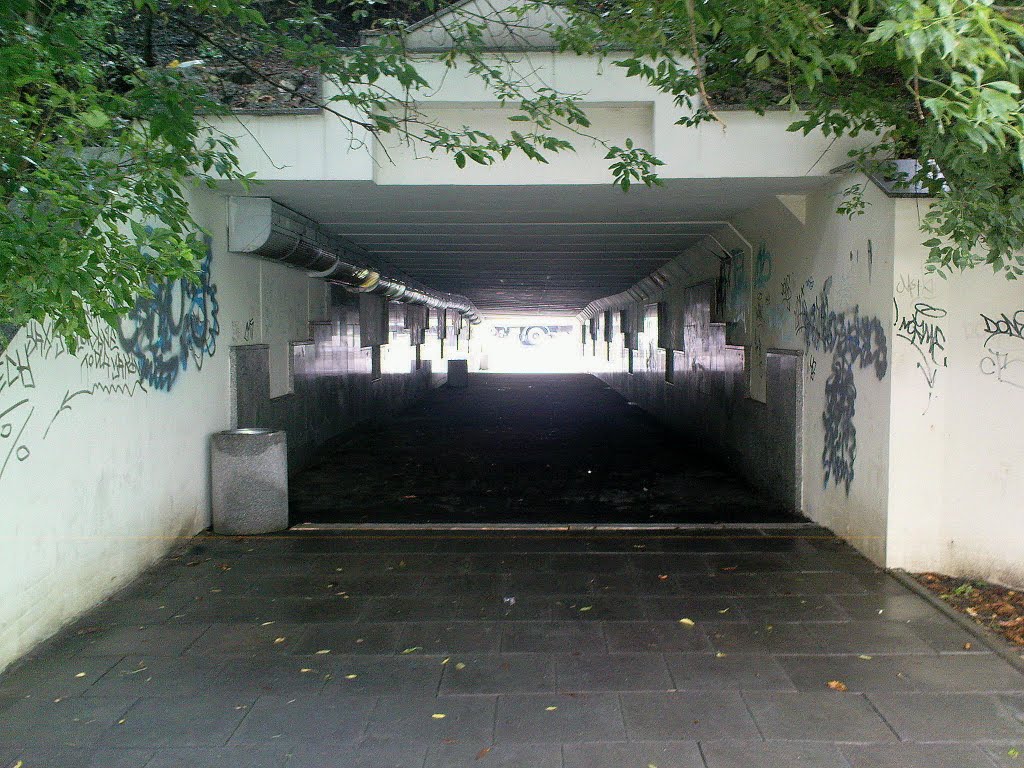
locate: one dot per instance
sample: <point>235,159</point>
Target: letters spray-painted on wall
<point>1004,348</point>
<point>855,341</point>
<point>922,329</point>
<point>150,350</point>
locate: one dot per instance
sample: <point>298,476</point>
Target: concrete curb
<point>548,527</point>
<point>1007,652</point>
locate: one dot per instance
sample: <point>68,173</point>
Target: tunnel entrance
<point>523,449</point>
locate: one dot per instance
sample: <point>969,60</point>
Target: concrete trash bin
<point>249,481</point>
<point>458,373</point>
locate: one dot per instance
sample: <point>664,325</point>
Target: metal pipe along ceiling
<point>260,226</point>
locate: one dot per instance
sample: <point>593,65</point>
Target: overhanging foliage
<point>100,131</point>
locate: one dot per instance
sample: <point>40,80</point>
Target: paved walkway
<point>538,651</point>
<point>523,449</point>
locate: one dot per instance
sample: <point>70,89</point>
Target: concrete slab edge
<point>546,527</point>
<point>1007,652</point>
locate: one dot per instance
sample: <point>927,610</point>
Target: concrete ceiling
<point>539,249</point>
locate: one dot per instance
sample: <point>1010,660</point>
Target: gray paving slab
<point>671,716</point>
<point>498,673</point>
<point>276,720</point>
<point>967,717</point>
<point>278,669</point>
<point>149,640</point>
<point>916,756</point>
<point>221,757</point>
<point>955,673</point>
<point>663,754</point>
<point>808,608</point>
<point>431,720</point>
<point>558,718</point>
<point>78,758</point>
<point>266,638</point>
<point>411,674</point>
<point>204,721</point>
<point>450,637</point>
<point>75,722</point>
<point>654,636</point>
<point>346,637</point>
<point>760,754</point>
<point>56,676</point>
<point>868,637</point>
<point>368,753</point>
<point>727,671</point>
<point>157,676</point>
<point>1006,755</point>
<point>762,637</point>
<point>291,676</point>
<point>597,608</point>
<point>822,716</point>
<point>612,672</point>
<point>553,636</point>
<point>480,755</point>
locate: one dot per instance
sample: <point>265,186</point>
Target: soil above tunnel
<point>523,449</point>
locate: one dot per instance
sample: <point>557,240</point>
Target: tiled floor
<point>682,650</point>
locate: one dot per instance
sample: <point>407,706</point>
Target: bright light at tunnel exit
<point>530,344</point>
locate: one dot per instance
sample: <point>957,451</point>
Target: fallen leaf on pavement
<point>837,685</point>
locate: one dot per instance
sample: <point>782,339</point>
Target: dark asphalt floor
<point>523,449</point>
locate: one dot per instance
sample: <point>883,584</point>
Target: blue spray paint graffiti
<point>738,295</point>
<point>854,341</point>
<point>177,323</point>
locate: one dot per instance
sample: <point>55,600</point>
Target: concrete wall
<point>706,397</point>
<point>909,388</point>
<point>323,146</point>
<point>103,454</point>
<point>956,497</point>
<point>332,384</point>
<point>801,338</point>
<point>821,283</point>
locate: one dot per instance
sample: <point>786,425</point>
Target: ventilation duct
<point>267,229</point>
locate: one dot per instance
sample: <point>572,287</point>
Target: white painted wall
<point>327,147</point>
<point>845,427</point>
<point>100,473</point>
<point>956,497</point>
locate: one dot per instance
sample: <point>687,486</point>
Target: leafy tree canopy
<point>104,108</point>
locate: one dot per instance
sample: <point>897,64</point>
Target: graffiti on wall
<point>915,287</point>
<point>738,290</point>
<point>174,326</point>
<point>1003,357</point>
<point>152,346</point>
<point>855,341</point>
<point>922,329</point>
